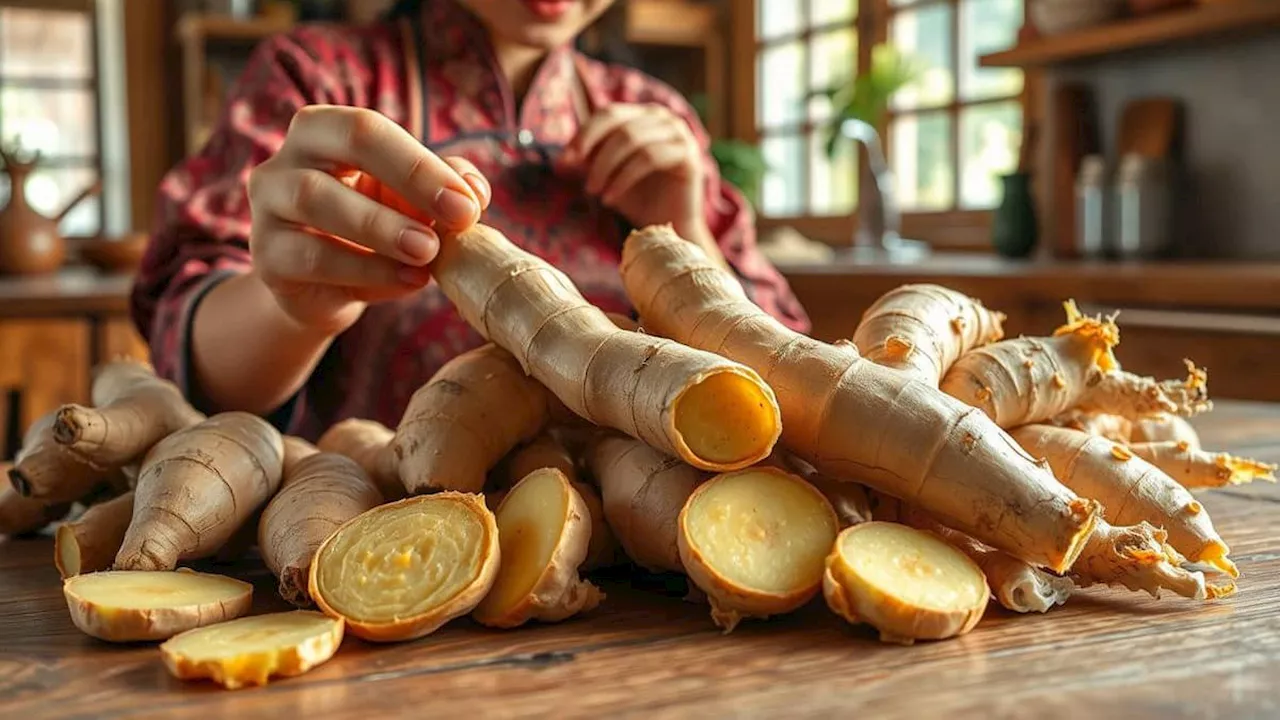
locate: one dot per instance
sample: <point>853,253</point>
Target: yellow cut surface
<point>129,590</point>
<point>530,523</point>
<point>68,550</point>
<point>401,560</point>
<point>916,568</point>
<point>726,419</point>
<point>760,530</point>
<point>251,650</point>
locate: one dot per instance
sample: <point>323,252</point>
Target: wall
<point>1231,205</point>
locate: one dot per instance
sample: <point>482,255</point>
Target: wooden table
<point>648,654</point>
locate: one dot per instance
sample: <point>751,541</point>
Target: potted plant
<point>741,163</point>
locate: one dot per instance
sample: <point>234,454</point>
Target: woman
<point>290,271</point>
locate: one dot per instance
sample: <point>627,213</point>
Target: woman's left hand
<point>644,162</point>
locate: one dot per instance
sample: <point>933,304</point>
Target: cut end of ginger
<point>728,420</point>
<point>754,542</point>
<point>544,530</point>
<point>250,651</point>
<point>908,584</point>
<point>131,606</point>
<point>401,570</point>
<point>66,551</point>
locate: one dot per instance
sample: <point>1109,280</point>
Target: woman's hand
<point>644,162</point>
<point>344,214</point>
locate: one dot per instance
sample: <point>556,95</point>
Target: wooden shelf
<point>201,28</point>
<point>1219,18</point>
<point>670,22</point>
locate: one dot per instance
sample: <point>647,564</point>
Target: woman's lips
<point>548,9</point>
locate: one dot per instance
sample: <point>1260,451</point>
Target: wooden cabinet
<point>53,331</point>
<point>1223,316</point>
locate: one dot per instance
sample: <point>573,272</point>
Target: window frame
<point>950,229</point>
<point>92,162</point>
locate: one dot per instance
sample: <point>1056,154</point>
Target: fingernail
<point>418,245</point>
<point>481,186</point>
<point>454,207</point>
<point>415,276</point>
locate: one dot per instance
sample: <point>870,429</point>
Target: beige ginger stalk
<point>852,419</point>
<point>1031,380</point>
<point>1130,489</point>
<point>711,412</point>
<point>90,542</point>
<point>1195,468</point>
<point>1164,428</point>
<point>923,329</point>
<point>1112,427</point>
<point>51,473</point>
<point>132,410</point>
<point>471,413</point>
<point>368,443</point>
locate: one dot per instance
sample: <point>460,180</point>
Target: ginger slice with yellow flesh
<point>131,606</point>
<point>754,541</point>
<point>252,650</point>
<point>401,570</point>
<point>711,412</point>
<point>906,583</point>
<point>544,530</point>
<point>1196,468</point>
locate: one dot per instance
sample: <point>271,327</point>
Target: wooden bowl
<point>1054,17</point>
<point>115,255</point>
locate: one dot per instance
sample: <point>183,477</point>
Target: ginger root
<point>401,570</point>
<point>923,329</point>
<point>1164,428</point>
<point>711,412</point>
<point>90,542</point>
<point>250,651</point>
<point>320,493</point>
<point>51,473</point>
<point>544,530</point>
<point>368,443</point>
<point>1196,468</point>
<point>906,583</point>
<point>129,606</point>
<point>21,515</point>
<point>754,541</point>
<point>198,487</point>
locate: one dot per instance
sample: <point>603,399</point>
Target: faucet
<point>879,220</point>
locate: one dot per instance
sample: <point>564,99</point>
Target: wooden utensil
<point>1150,127</point>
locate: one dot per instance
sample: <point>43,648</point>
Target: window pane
<point>781,86</point>
<point>826,12</point>
<point>920,153</point>
<point>988,26</point>
<point>55,122</point>
<point>782,193</point>
<point>777,17</point>
<point>49,190</point>
<point>833,180</point>
<point>45,43</point>
<point>990,136</point>
<point>834,60</point>
<point>925,36</point>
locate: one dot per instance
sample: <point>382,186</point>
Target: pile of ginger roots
<point>910,475</point>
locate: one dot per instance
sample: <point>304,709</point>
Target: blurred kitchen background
<point>1125,153</point>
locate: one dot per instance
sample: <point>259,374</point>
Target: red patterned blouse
<point>435,75</point>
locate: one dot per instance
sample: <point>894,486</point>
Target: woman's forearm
<point>246,353</point>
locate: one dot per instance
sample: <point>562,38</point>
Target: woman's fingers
<point>332,139</point>
<point>646,161</point>
<point>600,126</point>
<point>626,142</point>
<point>474,178</point>
<point>294,256</point>
<point>314,199</point>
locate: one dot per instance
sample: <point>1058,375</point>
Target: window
<point>48,103</point>
<point>948,135</point>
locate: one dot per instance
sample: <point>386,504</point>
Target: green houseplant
<point>741,163</point>
<point>866,96</point>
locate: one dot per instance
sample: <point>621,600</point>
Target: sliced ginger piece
<point>252,650</point>
<point>908,584</point>
<point>754,541</point>
<point>90,543</point>
<point>544,530</point>
<point>134,605</point>
<point>401,570</point>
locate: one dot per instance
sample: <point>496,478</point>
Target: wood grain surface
<point>648,653</point>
